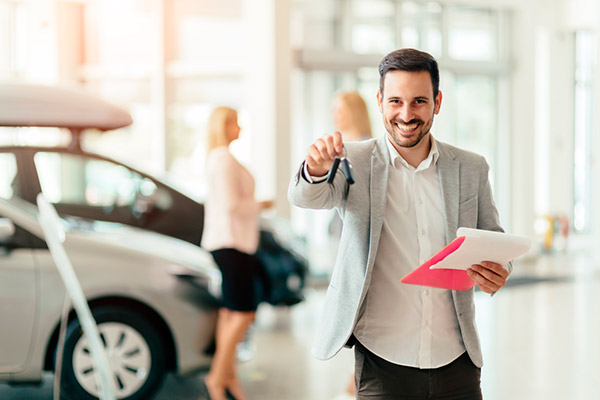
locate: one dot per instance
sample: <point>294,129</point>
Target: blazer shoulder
<point>363,148</point>
<point>462,155</point>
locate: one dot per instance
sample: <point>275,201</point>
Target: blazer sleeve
<point>319,195</point>
<point>488,217</point>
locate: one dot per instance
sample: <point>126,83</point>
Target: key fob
<point>333,170</point>
<point>347,170</point>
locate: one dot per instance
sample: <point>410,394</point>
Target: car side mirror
<point>7,229</point>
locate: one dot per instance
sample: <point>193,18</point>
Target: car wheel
<point>135,356</point>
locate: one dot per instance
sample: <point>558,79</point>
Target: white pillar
<point>522,122</point>
<point>267,96</point>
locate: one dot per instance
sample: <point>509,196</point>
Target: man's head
<point>409,98</point>
<point>410,60</point>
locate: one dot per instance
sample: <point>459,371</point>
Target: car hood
<point>119,236</point>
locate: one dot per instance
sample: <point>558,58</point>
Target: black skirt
<point>239,271</point>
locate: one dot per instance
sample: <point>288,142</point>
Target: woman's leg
<point>231,327</point>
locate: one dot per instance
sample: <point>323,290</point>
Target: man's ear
<point>380,101</point>
<point>438,102</point>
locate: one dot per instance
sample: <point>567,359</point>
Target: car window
<point>75,179</point>
<point>9,185</point>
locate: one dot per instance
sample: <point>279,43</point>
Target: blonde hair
<point>359,115</point>
<point>216,133</point>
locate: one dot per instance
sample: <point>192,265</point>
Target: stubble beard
<point>391,128</point>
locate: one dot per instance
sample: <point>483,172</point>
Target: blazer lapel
<point>448,174</point>
<point>380,161</point>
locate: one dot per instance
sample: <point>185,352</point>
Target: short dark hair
<point>411,60</point>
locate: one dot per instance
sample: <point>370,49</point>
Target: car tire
<point>136,357</point>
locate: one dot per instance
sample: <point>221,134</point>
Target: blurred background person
<point>351,119</point>
<point>231,234</point>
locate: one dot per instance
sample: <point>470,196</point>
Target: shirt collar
<point>396,158</point>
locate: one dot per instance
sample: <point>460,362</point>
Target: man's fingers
<point>496,268</point>
<point>484,284</point>
<point>323,151</point>
<point>488,276</point>
<point>330,146</point>
<point>338,143</point>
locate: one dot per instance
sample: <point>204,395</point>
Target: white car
<point>154,296</point>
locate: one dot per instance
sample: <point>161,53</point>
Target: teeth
<point>406,127</point>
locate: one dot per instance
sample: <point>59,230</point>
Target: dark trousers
<point>376,378</point>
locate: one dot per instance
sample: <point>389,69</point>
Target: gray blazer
<point>467,196</point>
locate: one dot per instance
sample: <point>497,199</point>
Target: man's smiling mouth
<point>407,127</point>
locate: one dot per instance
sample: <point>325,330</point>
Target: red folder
<point>448,268</point>
<point>454,279</point>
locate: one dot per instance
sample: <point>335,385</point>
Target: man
<point>410,195</point>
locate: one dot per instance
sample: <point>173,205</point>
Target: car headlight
<point>209,277</point>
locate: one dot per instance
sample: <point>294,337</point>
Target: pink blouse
<point>231,212</point>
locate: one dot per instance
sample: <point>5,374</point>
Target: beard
<point>407,142</point>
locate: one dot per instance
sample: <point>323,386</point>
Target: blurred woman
<point>231,234</point>
<point>350,116</point>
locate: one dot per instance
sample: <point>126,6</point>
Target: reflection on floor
<point>540,337</point>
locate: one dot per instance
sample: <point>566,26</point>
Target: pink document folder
<point>455,279</point>
<point>447,268</point>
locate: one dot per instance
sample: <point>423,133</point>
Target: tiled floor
<point>540,337</point>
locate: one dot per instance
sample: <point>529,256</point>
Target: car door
<point>90,186</point>
<point>18,280</point>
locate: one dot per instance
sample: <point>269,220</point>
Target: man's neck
<point>415,155</point>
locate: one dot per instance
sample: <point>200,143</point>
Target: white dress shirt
<point>405,324</point>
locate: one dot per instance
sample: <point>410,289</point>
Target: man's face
<point>408,106</point>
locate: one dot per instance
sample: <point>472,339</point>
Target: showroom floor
<point>539,337</point>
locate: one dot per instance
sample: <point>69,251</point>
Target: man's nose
<point>406,113</point>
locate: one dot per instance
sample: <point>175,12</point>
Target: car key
<point>346,169</point>
<point>333,170</point>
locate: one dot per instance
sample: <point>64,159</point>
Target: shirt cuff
<point>311,179</point>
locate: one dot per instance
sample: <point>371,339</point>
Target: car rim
<point>128,356</point>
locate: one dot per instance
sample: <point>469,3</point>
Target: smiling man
<point>411,193</point>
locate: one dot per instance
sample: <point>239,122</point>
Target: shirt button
<point>426,292</point>
<point>420,201</point>
<point>423,232</point>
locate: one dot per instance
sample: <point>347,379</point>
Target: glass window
<point>372,26</point>
<point>368,38</point>
<point>472,34</point>
<point>421,26</point>
<point>113,29</point>
<point>78,180</point>
<point>195,22</point>
<point>8,182</point>
<point>319,23</point>
<point>373,8</point>
<point>468,117</point>
<point>585,70</point>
